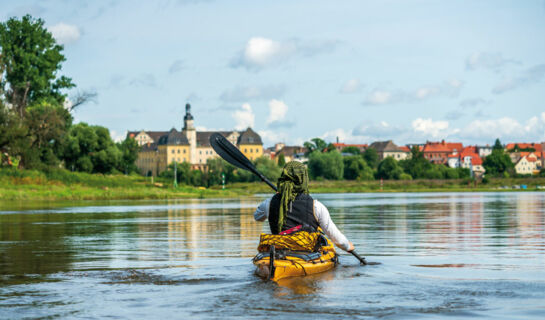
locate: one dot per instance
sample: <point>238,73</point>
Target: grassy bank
<point>65,185</point>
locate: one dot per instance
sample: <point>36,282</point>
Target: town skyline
<point>360,71</point>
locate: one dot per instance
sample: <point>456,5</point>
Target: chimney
<point>337,139</point>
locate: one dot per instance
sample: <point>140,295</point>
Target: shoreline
<point>139,188</point>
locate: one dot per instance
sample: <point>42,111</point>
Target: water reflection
<point>438,251</point>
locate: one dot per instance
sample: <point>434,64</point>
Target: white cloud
<point>244,117</point>
<point>277,111</point>
<point>506,128</point>
<point>351,86</point>
<point>248,93</point>
<point>270,137</point>
<point>430,128</point>
<point>488,60</point>
<point>261,52</point>
<point>378,97</point>
<point>117,136</point>
<point>449,89</point>
<point>528,77</point>
<point>65,33</point>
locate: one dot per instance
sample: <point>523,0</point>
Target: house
<point>291,153</point>
<point>438,152</point>
<point>161,148</point>
<point>389,149</point>
<point>340,146</point>
<point>527,164</point>
<point>484,151</point>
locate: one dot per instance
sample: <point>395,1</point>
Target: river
<point>442,255</point>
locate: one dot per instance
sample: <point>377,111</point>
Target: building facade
<point>161,148</point>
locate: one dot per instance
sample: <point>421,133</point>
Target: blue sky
<point>362,71</point>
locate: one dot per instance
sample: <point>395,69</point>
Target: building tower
<point>190,133</point>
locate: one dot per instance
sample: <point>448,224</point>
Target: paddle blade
<point>229,152</point>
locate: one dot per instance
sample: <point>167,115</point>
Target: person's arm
<point>262,211</point>
<point>330,229</point>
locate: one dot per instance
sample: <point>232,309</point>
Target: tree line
<point>36,121</point>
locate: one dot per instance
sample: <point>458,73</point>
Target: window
<point>245,150</point>
<point>200,152</point>
<point>184,150</point>
<point>172,151</point>
<point>178,150</point>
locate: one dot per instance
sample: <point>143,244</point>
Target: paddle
<point>231,154</point>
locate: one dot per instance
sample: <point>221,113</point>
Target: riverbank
<point>64,185</point>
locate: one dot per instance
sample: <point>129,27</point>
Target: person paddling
<point>292,208</point>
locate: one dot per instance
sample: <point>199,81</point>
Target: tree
<point>497,163</point>
<point>129,153</point>
<point>417,165</point>
<point>315,144</point>
<point>281,160</point>
<point>29,62</point>
<point>371,157</point>
<point>328,165</point>
<point>497,145</point>
<point>351,149</point>
<point>91,149</point>
<point>355,168</point>
<point>389,169</point>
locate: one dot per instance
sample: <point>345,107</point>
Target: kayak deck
<point>295,265</point>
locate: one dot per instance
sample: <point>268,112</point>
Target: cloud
<point>488,60</point>
<point>351,86</point>
<point>118,136</point>
<point>270,137</point>
<point>527,77</point>
<point>449,89</point>
<point>261,52</point>
<point>144,79</point>
<point>176,66</point>
<point>473,102</point>
<point>277,115</point>
<point>244,117</point>
<point>430,128</point>
<point>253,93</point>
<point>377,130</point>
<point>506,128</point>
<point>65,33</point>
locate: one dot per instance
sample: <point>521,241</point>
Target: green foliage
<point>497,163</point>
<point>90,149</point>
<point>281,160</point>
<point>389,169</point>
<point>315,144</point>
<point>405,176</point>
<point>129,153</point>
<point>328,165</point>
<point>417,165</point>
<point>497,145</point>
<point>352,150</point>
<point>30,60</point>
<point>371,157</point>
<point>355,168</point>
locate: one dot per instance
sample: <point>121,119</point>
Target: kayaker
<point>292,208</point>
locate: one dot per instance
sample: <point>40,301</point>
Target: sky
<point>357,71</point>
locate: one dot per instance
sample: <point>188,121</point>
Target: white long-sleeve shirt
<point>322,215</point>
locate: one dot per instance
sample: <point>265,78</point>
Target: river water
<point>443,255</point>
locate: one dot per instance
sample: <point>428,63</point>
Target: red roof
<point>531,159</point>
<point>536,146</point>
<point>443,146</point>
<point>343,145</point>
<point>405,148</point>
<point>476,161</point>
<point>471,151</point>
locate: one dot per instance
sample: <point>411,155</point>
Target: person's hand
<point>350,247</point>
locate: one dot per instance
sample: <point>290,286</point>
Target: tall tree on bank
<point>29,62</point>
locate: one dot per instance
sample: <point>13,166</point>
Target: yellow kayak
<point>294,264</point>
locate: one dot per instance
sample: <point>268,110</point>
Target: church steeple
<point>188,118</point>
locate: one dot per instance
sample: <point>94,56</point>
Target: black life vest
<point>300,212</point>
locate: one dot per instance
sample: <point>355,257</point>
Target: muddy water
<point>443,255</point>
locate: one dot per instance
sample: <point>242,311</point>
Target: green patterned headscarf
<point>293,181</point>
